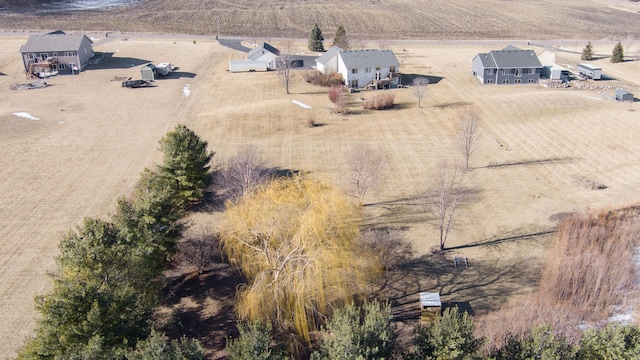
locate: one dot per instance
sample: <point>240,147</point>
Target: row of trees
<point>316,39</point>
<point>108,276</point>
<point>617,55</point>
<point>368,332</point>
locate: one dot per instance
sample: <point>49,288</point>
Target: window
<point>518,81</point>
<point>44,56</point>
<point>505,81</point>
<point>491,71</point>
<point>489,81</point>
<point>354,83</point>
<point>367,70</point>
<point>518,72</point>
<point>70,53</point>
<point>532,81</point>
<point>61,66</point>
<point>31,56</point>
<point>55,54</point>
<point>392,69</point>
<point>532,71</point>
<point>506,71</point>
<point>354,71</point>
<point>377,68</point>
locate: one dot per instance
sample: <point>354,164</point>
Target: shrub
<point>379,102</point>
<point>319,79</point>
<point>388,246</point>
<point>335,93</point>
<point>311,121</point>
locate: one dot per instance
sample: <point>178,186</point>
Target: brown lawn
<point>540,152</point>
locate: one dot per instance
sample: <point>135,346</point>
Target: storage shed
<point>430,306</point>
<point>590,71</point>
<point>148,72</point>
<point>623,95</point>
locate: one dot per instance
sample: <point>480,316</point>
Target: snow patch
<point>301,104</point>
<point>186,90</point>
<point>25,115</point>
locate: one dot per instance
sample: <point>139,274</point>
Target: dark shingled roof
<point>53,42</point>
<point>509,58</point>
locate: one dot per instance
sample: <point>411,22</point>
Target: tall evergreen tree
<point>315,39</point>
<point>186,164</point>
<point>340,39</point>
<point>618,53</point>
<point>587,52</point>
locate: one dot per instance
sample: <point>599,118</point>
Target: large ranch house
<point>56,52</point>
<point>378,69</point>
<point>507,66</point>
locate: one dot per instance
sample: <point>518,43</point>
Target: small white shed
<point>623,95</point>
<point>430,306</point>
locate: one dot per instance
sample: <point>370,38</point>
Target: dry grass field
<point>540,153</point>
<point>394,19</point>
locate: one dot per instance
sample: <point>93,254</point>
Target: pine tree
<point>587,52</point>
<point>340,39</point>
<point>315,39</point>
<point>618,53</point>
<point>186,164</point>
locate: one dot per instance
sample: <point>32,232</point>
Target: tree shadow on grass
<point>478,289</point>
<point>202,306</point>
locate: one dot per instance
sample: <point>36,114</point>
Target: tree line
<point>108,278</point>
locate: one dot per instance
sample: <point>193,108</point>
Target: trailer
<point>247,66</point>
<point>132,84</point>
<point>148,72</point>
<point>590,71</point>
<point>555,72</point>
<point>163,69</point>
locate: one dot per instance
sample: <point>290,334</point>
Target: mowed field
<point>540,153</point>
<point>369,19</point>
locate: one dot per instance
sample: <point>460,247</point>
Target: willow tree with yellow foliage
<point>295,242</point>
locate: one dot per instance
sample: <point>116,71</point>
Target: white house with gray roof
<point>507,66</point>
<point>62,51</point>
<point>361,68</point>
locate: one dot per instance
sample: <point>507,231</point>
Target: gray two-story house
<point>507,66</point>
<point>58,51</point>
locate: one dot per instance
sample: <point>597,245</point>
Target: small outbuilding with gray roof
<point>510,65</point>
<point>265,53</point>
<point>65,52</point>
<point>623,95</point>
<point>361,68</point>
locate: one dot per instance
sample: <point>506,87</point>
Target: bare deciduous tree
<point>443,201</point>
<point>387,245</point>
<point>284,67</point>
<point>242,174</point>
<point>199,249</point>
<point>366,170</point>
<point>419,88</point>
<point>469,121</point>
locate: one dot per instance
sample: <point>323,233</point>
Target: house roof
<point>509,58</point>
<point>358,59</point>
<point>328,55</point>
<point>621,92</point>
<point>57,41</point>
<point>261,49</point>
